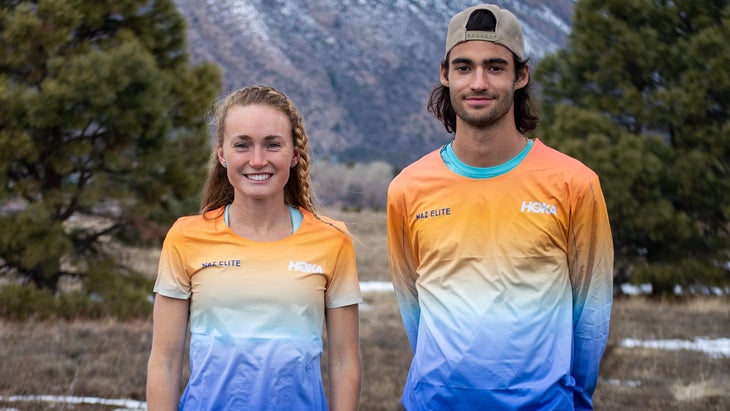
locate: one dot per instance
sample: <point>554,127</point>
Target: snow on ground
<point>645,289</point>
<point>124,405</point>
<point>376,286</point>
<point>715,348</point>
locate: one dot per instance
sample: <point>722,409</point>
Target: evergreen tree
<point>641,94</point>
<point>102,129</point>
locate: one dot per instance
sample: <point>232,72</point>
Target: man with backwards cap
<point>500,247</point>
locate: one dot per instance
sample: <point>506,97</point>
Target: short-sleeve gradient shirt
<point>256,309</point>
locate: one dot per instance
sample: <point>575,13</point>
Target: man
<point>500,248</point>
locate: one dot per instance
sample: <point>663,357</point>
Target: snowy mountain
<point>360,71</point>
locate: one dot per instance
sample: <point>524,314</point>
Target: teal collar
<point>463,169</point>
<point>296,217</point>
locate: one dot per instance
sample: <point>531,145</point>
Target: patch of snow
<point>715,348</point>
<point>366,307</point>
<point>376,287</point>
<point>624,383</point>
<point>632,289</point>
<point>125,404</point>
<point>646,289</point>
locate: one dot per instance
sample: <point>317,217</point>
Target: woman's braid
<point>302,169</point>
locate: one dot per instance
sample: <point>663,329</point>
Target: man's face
<point>482,82</point>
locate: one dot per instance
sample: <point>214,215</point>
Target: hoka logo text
<point>538,207</point>
<point>305,267</point>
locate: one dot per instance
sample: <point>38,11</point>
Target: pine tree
<point>641,94</point>
<point>102,129</point>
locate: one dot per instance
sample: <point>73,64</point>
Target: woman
<point>259,273</point>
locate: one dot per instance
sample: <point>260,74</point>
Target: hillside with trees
<point>360,72</point>
<point>103,142</point>
<point>102,120</point>
<point>641,94</point>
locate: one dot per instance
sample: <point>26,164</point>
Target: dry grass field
<point>107,359</point>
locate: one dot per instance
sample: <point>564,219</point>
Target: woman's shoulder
<point>340,225</point>
<point>196,223</point>
<point>327,224</point>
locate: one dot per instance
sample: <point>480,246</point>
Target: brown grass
<point>108,359</point>
<point>368,230</point>
<point>638,378</point>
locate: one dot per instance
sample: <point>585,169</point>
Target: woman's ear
<point>295,160</point>
<point>221,159</point>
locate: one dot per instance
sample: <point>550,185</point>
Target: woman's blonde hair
<point>218,191</point>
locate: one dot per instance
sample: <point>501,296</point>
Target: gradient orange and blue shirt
<point>256,309</point>
<point>504,283</point>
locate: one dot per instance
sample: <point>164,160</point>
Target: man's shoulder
<point>426,164</point>
<point>549,157</point>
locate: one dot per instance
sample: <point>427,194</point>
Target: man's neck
<point>487,147</point>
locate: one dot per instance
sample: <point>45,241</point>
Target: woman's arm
<point>343,357</point>
<point>164,368</point>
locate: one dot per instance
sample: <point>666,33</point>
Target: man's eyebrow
<point>492,60</point>
<point>495,60</point>
<point>462,60</point>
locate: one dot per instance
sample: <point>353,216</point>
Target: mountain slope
<point>360,71</point>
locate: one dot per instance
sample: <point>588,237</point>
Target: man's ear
<point>523,77</point>
<point>444,75</point>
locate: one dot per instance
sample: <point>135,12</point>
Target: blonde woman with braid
<point>256,276</point>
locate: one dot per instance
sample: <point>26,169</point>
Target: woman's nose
<point>258,157</point>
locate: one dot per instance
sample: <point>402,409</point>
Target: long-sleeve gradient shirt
<point>504,284</point>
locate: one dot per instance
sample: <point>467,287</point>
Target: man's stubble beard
<point>483,119</point>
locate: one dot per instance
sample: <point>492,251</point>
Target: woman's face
<point>258,151</point>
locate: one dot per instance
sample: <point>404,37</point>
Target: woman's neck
<point>260,222</point>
